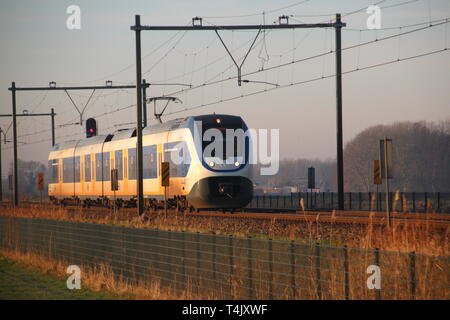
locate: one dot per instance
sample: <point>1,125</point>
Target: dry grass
<point>423,238</point>
<point>99,278</point>
<point>401,237</point>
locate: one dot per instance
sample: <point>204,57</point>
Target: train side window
<point>118,155</point>
<point>53,166</point>
<point>68,170</point>
<point>132,164</point>
<point>76,170</point>
<point>98,167</point>
<point>177,154</point>
<point>87,168</point>
<point>106,166</point>
<point>150,166</point>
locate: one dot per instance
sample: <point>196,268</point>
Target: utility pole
<point>144,102</point>
<point>140,182</point>
<point>197,26</point>
<point>15,178</point>
<point>52,114</point>
<point>339,134</point>
<point>1,177</point>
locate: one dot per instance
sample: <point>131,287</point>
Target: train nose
<point>221,192</point>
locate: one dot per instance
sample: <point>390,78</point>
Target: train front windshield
<point>223,137</point>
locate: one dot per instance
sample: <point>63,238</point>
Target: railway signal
<point>91,127</point>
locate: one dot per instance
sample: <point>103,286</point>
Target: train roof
<point>131,132</point>
<point>165,126</point>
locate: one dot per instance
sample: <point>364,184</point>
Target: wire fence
<point>438,202</point>
<point>225,267</point>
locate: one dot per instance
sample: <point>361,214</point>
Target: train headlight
<point>237,164</point>
<point>212,164</point>
<point>218,121</point>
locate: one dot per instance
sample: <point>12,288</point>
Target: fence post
<point>307,200</point>
<point>183,257</point>
<point>331,201</point>
<point>377,263</point>
<point>360,200</point>
<point>439,202</point>
<point>323,200</point>
<point>414,201</point>
<point>250,267</point>
<point>171,273</point>
<point>214,259</point>
<point>230,261</point>
<point>401,201</point>
<point>425,204</point>
<point>294,291</point>
<point>292,202</point>
<point>270,270</point>
<point>346,275</point>
<point>412,275</point>
<point>197,270</point>
<point>319,290</point>
<point>350,200</point>
<point>315,200</point>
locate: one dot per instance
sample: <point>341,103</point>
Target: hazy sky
<point>37,47</point>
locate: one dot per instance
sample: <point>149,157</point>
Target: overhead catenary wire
<point>308,81</point>
<point>439,22</point>
<point>280,87</point>
<point>432,24</point>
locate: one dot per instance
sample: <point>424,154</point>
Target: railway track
<point>345,217</point>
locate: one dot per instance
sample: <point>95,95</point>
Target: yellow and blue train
<point>80,170</point>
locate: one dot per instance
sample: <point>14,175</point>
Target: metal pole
<point>15,181</point>
<point>412,275</point>
<point>340,157</point>
<point>346,275</point>
<point>53,126</point>
<point>140,189</point>
<point>388,213</point>
<point>144,103</point>
<point>1,177</point>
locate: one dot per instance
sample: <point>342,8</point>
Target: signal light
<point>91,127</point>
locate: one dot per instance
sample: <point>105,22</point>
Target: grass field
<point>20,282</point>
